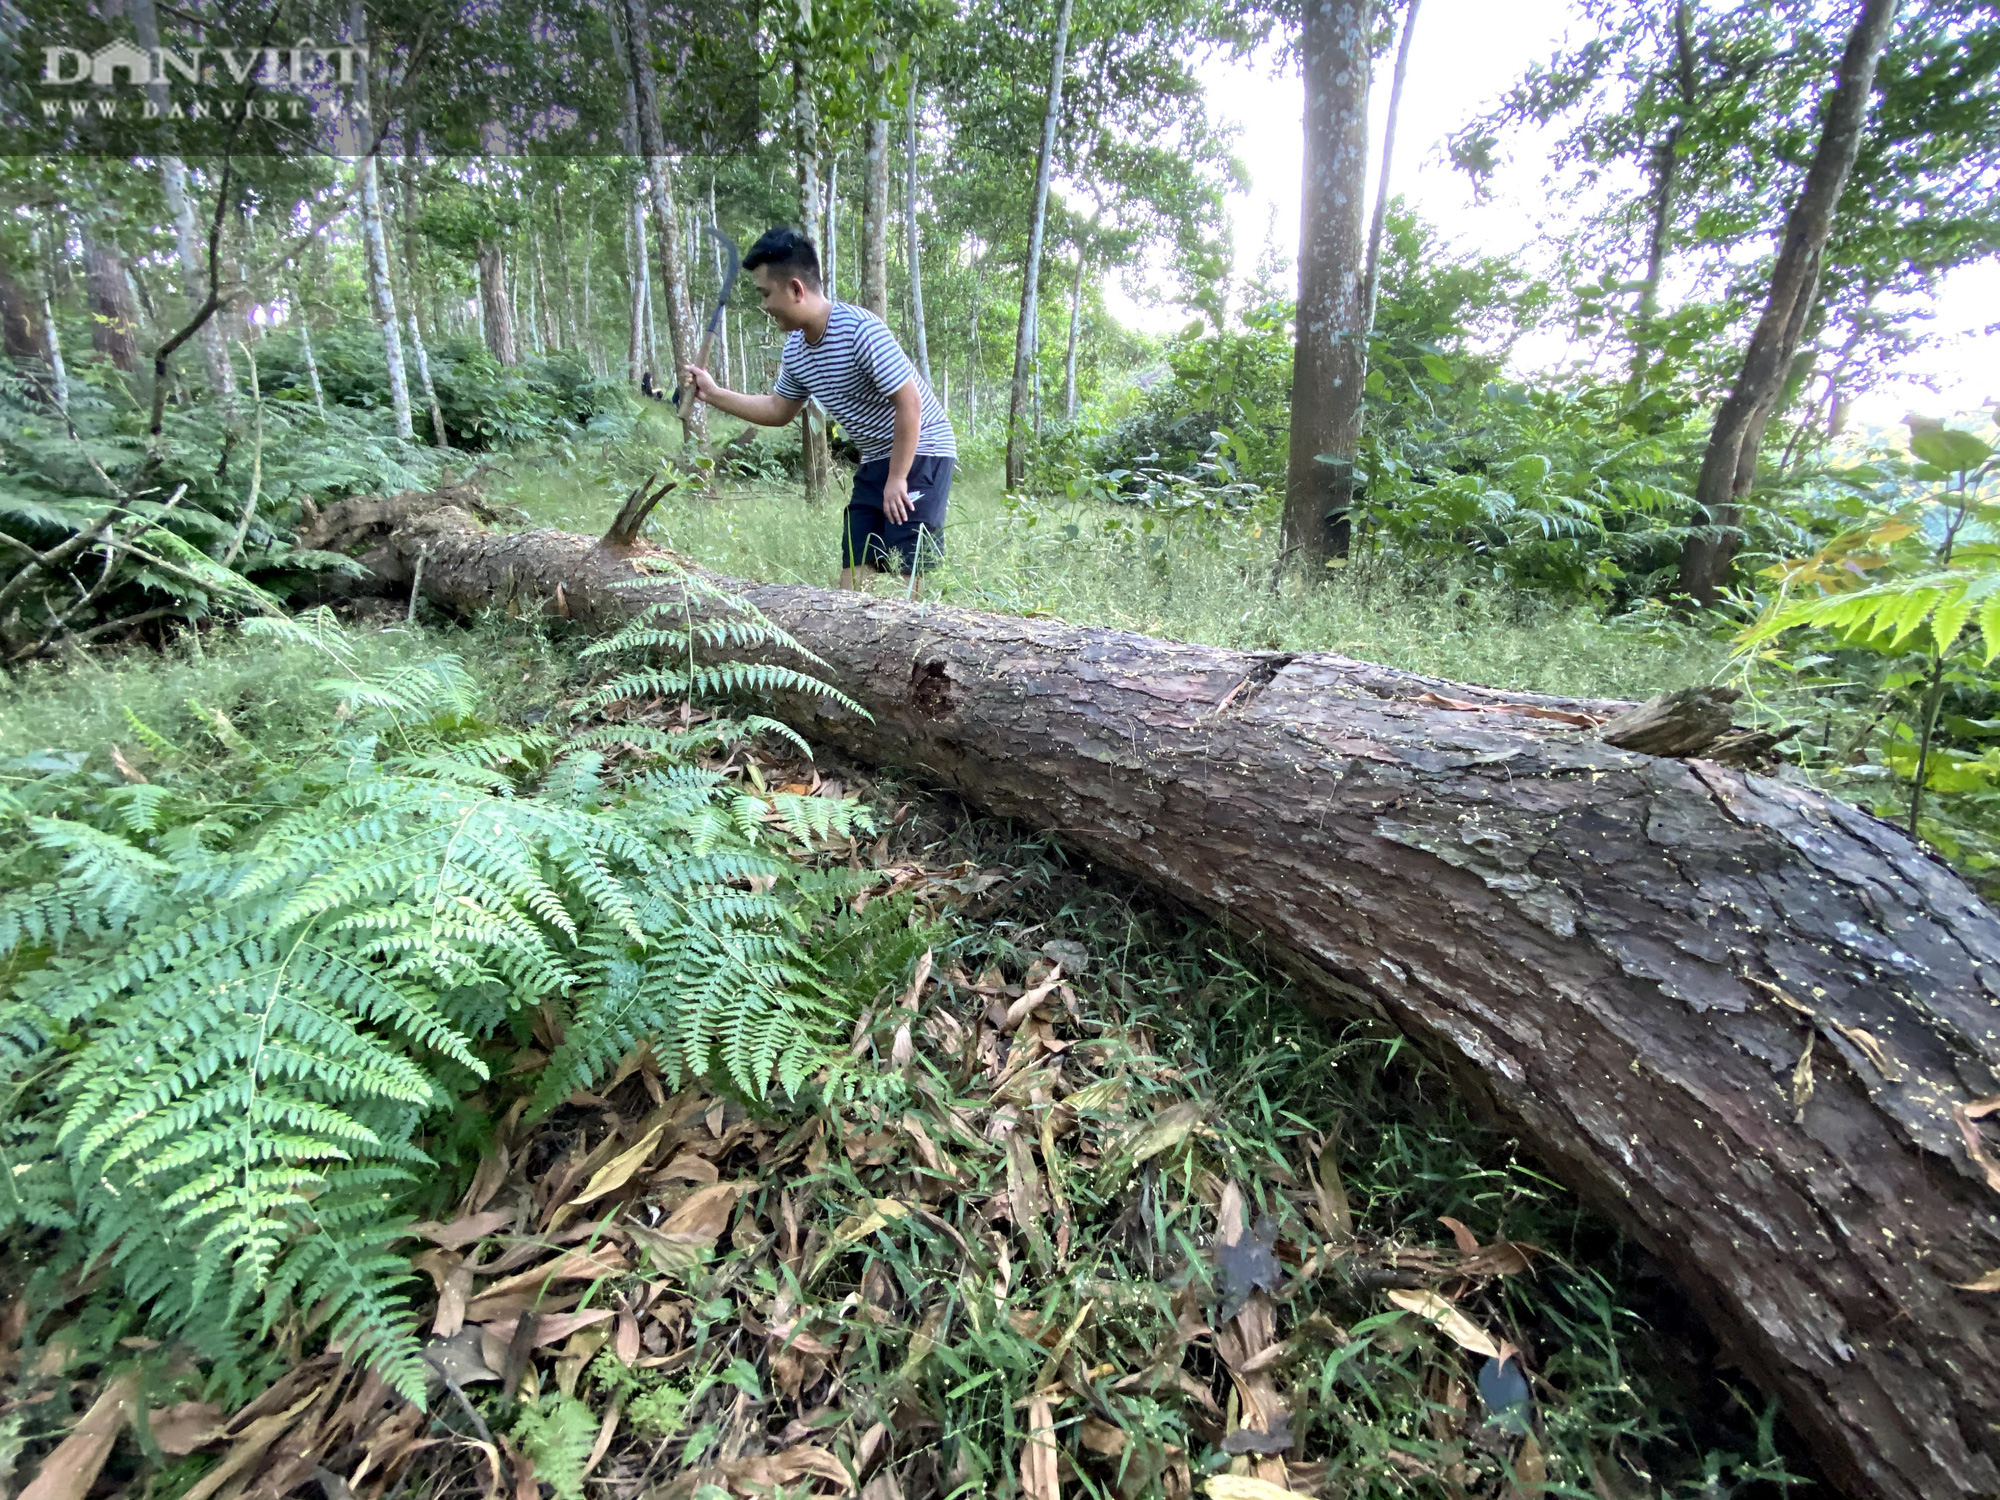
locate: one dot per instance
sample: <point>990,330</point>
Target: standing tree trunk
<point>1729,466</point>
<point>375,242</point>
<point>1621,957</point>
<point>187,239</point>
<point>1666,181</point>
<point>113,322</point>
<point>496,311</point>
<point>1024,331</point>
<point>875,198</point>
<point>1380,218</point>
<point>815,461</point>
<point>411,276</point>
<point>666,228</point>
<point>831,244</point>
<point>20,319</point>
<point>58,370</point>
<point>306,349</point>
<point>910,219</point>
<point>1075,321</point>
<point>722,326</point>
<point>1330,350</point>
<point>381,295</point>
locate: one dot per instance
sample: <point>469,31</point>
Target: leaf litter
<point>1086,1230</point>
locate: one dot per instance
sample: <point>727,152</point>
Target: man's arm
<point>764,411</point>
<point>902,452</point>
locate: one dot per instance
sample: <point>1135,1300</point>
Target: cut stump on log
<point>1621,958</point>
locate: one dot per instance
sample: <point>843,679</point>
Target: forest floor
<point>1126,1187</point>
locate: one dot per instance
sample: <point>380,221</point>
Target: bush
<point>486,405</point>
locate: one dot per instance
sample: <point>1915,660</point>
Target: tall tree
<point>1075,322</point>
<point>1665,172</point>
<point>875,192</point>
<point>496,306</point>
<point>815,459</point>
<point>215,359</point>
<point>1381,215</point>
<point>412,272</point>
<point>666,227</point>
<point>375,244</point>
<point>1729,465</point>
<point>910,222</point>
<point>1330,348</point>
<point>1024,332</point>
<point>114,323</point>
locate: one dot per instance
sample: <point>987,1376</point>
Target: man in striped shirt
<point>846,359</point>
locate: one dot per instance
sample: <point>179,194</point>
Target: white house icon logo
<point>106,61</point>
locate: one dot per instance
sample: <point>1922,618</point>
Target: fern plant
<point>1908,587</point>
<point>227,1015</point>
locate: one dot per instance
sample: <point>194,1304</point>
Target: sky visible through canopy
<point>1467,52</point>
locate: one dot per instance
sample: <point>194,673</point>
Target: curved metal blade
<point>732,265</point>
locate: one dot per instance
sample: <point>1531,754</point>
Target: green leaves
<point>1949,450</point>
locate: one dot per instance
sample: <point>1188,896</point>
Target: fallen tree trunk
<point>1752,1025</point>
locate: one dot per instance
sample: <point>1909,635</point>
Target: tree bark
<point>874,291</point>
<point>1620,957</point>
<point>1024,331</point>
<point>1379,220</point>
<point>659,177</point>
<point>113,321</point>
<point>375,247</point>
<point>910,222</point>
<point>1330,350</point>
<point>815,459</point>
<point>20,319</point>
<point>495,314</point>
<point>1729,466</point>
<point>1075,321</point>
<point>306,350</point>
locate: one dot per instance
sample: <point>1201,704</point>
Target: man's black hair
<point>788,253</point>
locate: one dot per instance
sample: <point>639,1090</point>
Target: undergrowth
<point>1190,577</point>
<point>241,984</point>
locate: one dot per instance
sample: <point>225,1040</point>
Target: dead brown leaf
<point>1448,1320</point>
<point>1466,1240</point>
<point>70,1471</point>
<point>469,1227</point>
<point>1038,1454</point>
<point>1101,1438</point>
<point>620,1170</point>
<point>185,1426</point>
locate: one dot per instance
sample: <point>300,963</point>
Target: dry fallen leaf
<point>1165,1131</point>
<point>70,1471</point>
<point>615,1173</point>
<point>1038,1454</point>
<point>1243,1487</point>
<point>463,1231</point>
<point>1465,1239</point>
<point>705,1215</point>
<point>1100,1437</point>
<point>1449,1320</point>
<point>185,1426</point>
<point>1990,1282</point>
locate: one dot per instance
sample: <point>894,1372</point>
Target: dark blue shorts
<point>871,540</point>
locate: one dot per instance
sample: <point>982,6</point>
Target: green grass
<point>1092,564</point>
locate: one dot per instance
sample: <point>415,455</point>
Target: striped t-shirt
<point>853,371</point>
